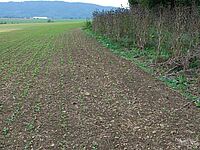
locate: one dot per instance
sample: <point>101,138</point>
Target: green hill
<point>51,9</point>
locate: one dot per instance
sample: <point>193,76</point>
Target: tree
<point>165,3</point>
<point>151,3</point>
<point>133,2</point>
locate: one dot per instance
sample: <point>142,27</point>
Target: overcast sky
<point>117,3</point>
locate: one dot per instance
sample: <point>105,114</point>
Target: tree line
<point>165,3</point>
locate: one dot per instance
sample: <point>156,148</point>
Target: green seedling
<point>62,61</point>
<point>28,145</point>
<point>5,131</point>
<point>197,103</point>
<point>37,107</point>
<point>30,126</point>
<point>12,118</point>
<point>94,146</point>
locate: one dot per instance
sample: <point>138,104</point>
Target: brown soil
<point>92,100</point>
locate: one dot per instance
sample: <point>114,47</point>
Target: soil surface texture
<point>90,99</point>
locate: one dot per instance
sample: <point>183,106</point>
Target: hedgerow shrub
<point>175,31</point>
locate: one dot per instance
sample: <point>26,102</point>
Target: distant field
<point>21,20</point>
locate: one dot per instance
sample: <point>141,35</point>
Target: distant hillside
<point>51,9</point>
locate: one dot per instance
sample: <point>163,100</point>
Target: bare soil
<point>91,99</point>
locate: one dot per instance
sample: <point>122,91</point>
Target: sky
<point>116,3</point>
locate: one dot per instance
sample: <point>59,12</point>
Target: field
<point>26,52</point>
<point>61,89</point>
<point>22,20</point>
